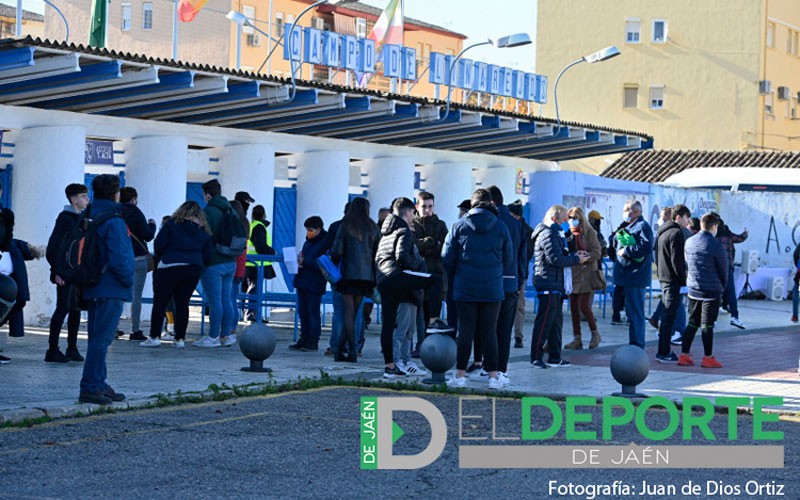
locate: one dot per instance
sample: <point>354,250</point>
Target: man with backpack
<point>217,279</point>
<point>106,260</point>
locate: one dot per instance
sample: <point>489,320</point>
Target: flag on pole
<point>188,9</point>
<point>388,29</point>
<point>97,28</point>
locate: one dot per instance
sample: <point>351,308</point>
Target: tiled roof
<point>9,11</point>
<point>656,166</point>
<point>376,11</point>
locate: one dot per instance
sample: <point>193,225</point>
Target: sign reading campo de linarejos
<point>347,52</point>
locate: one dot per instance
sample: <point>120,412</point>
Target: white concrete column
<point>251,168</point>
<point>503,177</point>
<point>388,178</point>
<point>322,185</point>
<point>156,168</point>
<point>46,159</point>
<point>450,183</point>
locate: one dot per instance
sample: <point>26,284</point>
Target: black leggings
<point>66,306</point>
<point>478,319</point>
<point>351,305</point>
<point>392,289</point>
<point>179,283</point>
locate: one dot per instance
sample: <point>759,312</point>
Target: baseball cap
<point>465,205</point>
<point>516,208</point>
<point>244,196</point>
<point>595,215</point>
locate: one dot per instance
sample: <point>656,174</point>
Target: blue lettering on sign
<point>530,87</point>
<point>541,89</point>
<point>448,69</point>
<point>506,81</point>
<point>366,55</point>
<point>349,52</point>
<point>330,49</point>
<point>481,77</point>
<point>436,72</point>
<point>391,61</point>
<point>294,38</point>
<point>494,79</point>
<point>312,46</point>
<point>518,87</point>
<point>409,63</point>
<point>468,74</point>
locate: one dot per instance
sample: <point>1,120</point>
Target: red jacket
<point>241,260</point>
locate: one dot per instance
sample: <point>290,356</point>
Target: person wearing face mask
<point>707,278</point>
<point>632,246</point>
<point>584,238</point>
<point>551,257</point>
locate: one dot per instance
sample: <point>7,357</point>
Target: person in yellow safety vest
<point>260,243</point>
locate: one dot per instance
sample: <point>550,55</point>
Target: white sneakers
<point>457,381</point>
<point>411,369</point>
<point>495,383</point>
<point>737,323</point>
<point>229,340</point>
<point>179,344</point>
<point>150,342</point>
<point>504,378</point>
<point>207,342</point>
<point>501,381</point>
<point>169,337</point>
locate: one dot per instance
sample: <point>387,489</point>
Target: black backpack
<point>231,238</point>
<point>79,253</point>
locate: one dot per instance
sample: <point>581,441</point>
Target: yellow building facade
<point>710,75</point>
<point>146,27</point>
<point>32,23</point>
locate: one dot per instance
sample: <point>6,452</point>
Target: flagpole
<point>175,32</point>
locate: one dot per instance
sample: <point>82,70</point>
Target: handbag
<point>597,280</point>
<point>330,271</point>
<point>151,263</point>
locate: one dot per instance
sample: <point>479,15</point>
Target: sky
<point>477,19</point>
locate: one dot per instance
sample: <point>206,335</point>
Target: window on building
<point>659,30</point>
<point>768,104</point>
<point>147,16</point>
<point>656,97</point>
<point>250,13</point>
<point>361,27</point>
<point>318,23</point>
<point>9,29</point>
<point>792,42</point>
<point>278,24</point>
<point>630,96</point>
<point>771,35</point>
<point>126,17</point>
<point>633,30</point>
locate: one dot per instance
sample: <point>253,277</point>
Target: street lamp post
<point>599,56</point>
<point>516,40</point>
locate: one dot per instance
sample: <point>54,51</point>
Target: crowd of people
<point>408,261</point>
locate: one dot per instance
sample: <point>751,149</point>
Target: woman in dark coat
<point>354,248</point>
<point>310,285</point>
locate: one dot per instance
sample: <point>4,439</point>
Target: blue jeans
<point>103,320</point>
<point>404,332</point>
<point>634,308</point>
<point>337,322</point>
<point>795,298</point>
<point>730,295</point>
<point>308,308</point>
<point>139,277</point>
<point>217,283</point>
<point>236,289</point>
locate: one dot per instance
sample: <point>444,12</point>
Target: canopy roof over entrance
<point>66,77</point>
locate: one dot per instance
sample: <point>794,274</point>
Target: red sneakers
<point>685,360</point>
<point>794,319</point>
<point>710,362</point>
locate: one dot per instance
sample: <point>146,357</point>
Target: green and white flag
<point>97,28</point>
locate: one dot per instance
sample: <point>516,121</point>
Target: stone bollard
<point>257,343</point>
<point>438,354</point>
<point>630,366</point>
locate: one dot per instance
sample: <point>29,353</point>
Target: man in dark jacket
<point>396,254</point>
<point>141,231</point>
<point>310,285</point>
<point>527,231</point>
<point>633,252</point>
<point>513,278</point>
<point>671,265</point>
<point>105,299</point>
<point>728,238</point>
<point>707,277</point>
<point>430,233</point>
<point>550,258</point>
<point>66,295</point>
<point>217,278</point>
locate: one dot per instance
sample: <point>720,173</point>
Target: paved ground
<point>305,445</point>
<point>760,361</point>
